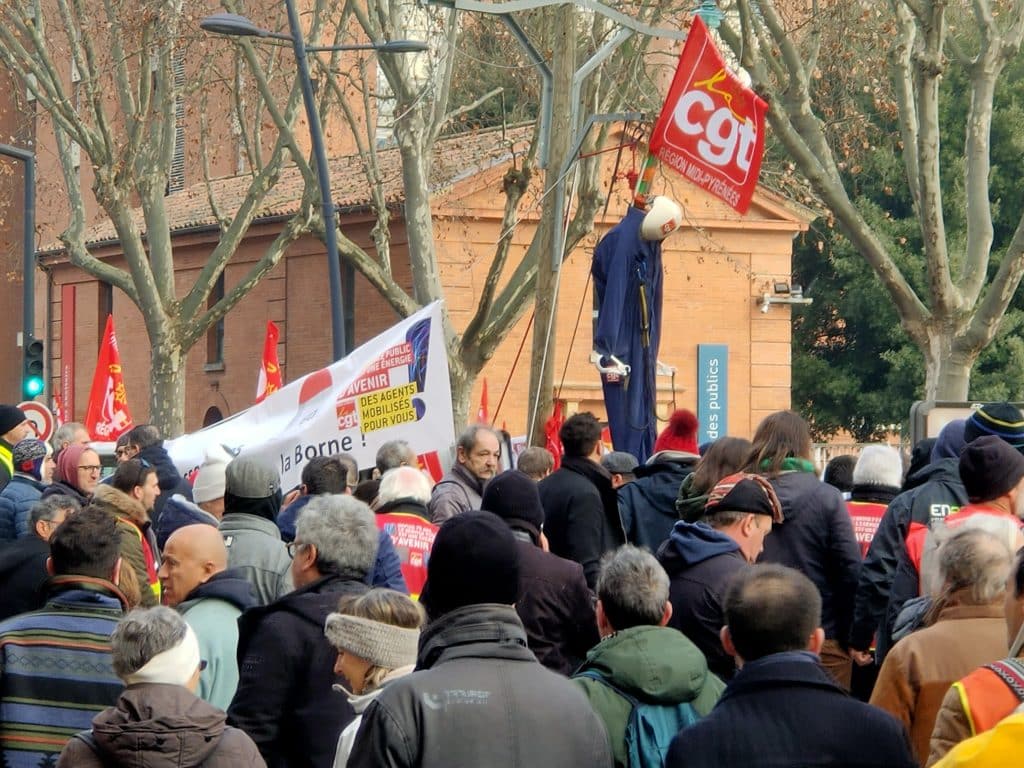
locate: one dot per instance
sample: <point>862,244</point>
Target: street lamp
<point>239,26</point>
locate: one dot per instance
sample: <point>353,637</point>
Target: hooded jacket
<point>16,502</point>
<point>161,726</point>
<point>60,488</point>
<point>177,513</point>
<point>816,537</point>
<point>581,514</point>
<point>286,669</point>
<point>647,505</point>
<point>255,550</point>
<point>212,610</point>
<point>132,525</point>
<point>479,698</point>
<point>701,562</point>
<point>656,665</point>
<point>936,492</point>
<point>168,478</point>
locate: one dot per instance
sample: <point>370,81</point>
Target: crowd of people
<point>728,604</point>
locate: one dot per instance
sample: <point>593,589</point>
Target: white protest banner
<point>394,387</point>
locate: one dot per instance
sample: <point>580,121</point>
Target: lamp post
<point>239,26</point>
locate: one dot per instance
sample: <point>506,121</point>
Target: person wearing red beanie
<point>647,505</point>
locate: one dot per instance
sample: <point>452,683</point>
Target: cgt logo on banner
<point>394,387</point>
<point>711,129</point>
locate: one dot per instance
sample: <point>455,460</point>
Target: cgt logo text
<point>706,120</point>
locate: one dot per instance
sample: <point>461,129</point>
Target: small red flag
<point>107,417</point>
<point>58,411</point>
<point>482,416</point>
<point>711,128</point>
<point>551,427</point>
<point>270,371</point>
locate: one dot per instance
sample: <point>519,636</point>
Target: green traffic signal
<point>33,386</point>
<point>32,381</point>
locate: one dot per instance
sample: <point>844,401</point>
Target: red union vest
<point>413,538</point>
<point>865,516</point>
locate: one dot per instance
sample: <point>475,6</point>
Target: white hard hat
<point>664,218</point>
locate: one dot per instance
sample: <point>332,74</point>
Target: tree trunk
<point>462,381</point>
<point>542,356</point>
<point>947,367</point>
<point>167,387</point>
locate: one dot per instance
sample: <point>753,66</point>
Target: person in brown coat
<point>131,517</point>
<point>965,629</point>
<point>158,720</point>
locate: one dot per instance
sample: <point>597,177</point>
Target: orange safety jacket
<point>990,693</point>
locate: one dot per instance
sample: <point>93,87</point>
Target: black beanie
<point>513,496</point>
<point>474,560</point>
<point>989,467</point>
<point>10,417</point>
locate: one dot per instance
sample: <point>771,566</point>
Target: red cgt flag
<point>482,416</point>
<point>270,371</point>
<point>107,417</point>
<point>552,441</point>
<point>711,129</point>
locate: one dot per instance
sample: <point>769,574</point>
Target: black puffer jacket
<point>167,475</point>
<point>161,726</point>
<point>286,669</point>
<point>937,492</point>
<point>816,537</point>
<point>581,514</point>
<point>479,698</point>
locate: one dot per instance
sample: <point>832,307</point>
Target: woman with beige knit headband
<point>376,635</point>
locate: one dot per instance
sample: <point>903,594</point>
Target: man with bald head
<point>195,579</point>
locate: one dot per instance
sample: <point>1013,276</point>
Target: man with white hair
<point>876,481</point>
<point>68,434</point>
<point>968,630</point>
<point>285,700</point>
<point>402,514</point>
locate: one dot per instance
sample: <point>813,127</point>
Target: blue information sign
<point>712,391</point>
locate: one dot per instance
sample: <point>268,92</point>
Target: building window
<point>215,334</point>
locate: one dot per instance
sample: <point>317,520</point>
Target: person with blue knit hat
<point>1000,419</point>
<point>33,470</point>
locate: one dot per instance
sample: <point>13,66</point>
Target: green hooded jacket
<point>653,664</point>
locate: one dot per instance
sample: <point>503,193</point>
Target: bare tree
<point>956,311</point>
<point>120,110</point>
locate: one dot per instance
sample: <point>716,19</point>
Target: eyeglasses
<point>90,467</point>
<point>293,547</point>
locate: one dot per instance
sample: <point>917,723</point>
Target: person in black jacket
<point>936,491</point>
<point>554,603</point>
<point>782,708</point>
<point>285,700</point>
<point>703,558</point>
<point>581,509</point>
<point>144,442</point>
<point>816,535</point>
<point>23,562</point>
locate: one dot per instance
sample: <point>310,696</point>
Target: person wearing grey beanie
<point>376,635</point>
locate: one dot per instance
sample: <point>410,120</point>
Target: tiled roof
<point>455,158</point>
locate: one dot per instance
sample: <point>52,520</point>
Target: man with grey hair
<point>477,455</point>
<point>23,565</point>
<point>157,656</point>
<point>402,515</point>
<point>632,612</point>
<point>966,630</point>
<point>285,700</point>
<point>393,454</point>
<point>68,434</point>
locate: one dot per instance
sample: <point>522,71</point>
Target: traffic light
<point>32,382</point>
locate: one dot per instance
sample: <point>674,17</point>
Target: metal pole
<point>28,159</point>
<point>316,138</point>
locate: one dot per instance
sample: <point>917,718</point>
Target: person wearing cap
<point>930,494</point>
<point>992,473</point>
<point>196,582</point>
<point>376,635</point>
<point>55,664</point>
<point>621,466</point>
<point>647,506</point>
<point>554,602</point>
<point>285,698</point>
<point>702,558</point>
<point>158,720</point>
<point>638,654</point>
<point>782,708</point>
<point>207,505</point>
<point>252,500</point>
<point>478,697</point>
<point>965,628</point>
<point>14,427</point>
<point>33,471</point>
